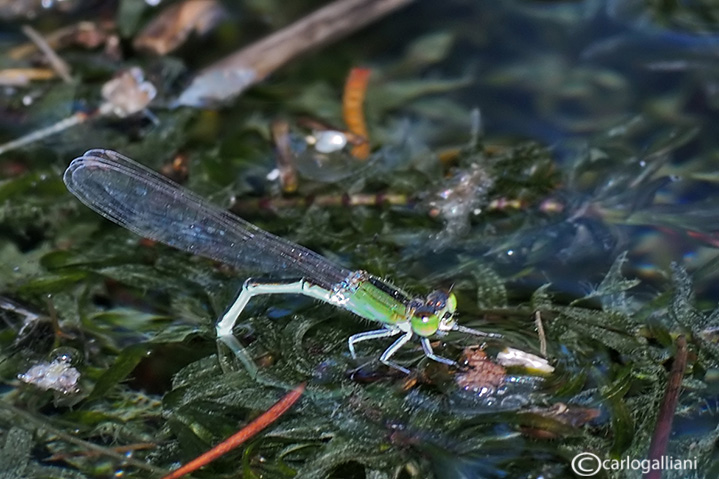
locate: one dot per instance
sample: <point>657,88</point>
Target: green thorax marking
<point>372,298</point>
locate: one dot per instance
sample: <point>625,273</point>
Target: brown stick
<point>660,438</point>
<point>57,63</point>
<point>228,77</point>
<point>243,435</point>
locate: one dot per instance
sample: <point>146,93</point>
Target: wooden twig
<point>126,94</point>
<point>23,76</point>
<point>230,76</point>
<point>169,29</point>
<point>246,206</point>
<point>83,34</point>
<point>57,63</point>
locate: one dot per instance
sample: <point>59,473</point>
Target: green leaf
<point>124,364</point>
<point>622,424</point>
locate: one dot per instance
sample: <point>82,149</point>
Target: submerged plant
<point>547,245</point>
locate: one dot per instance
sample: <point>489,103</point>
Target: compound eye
<point>451,303</point>
<point>425,325</point>
<point>437,299</point>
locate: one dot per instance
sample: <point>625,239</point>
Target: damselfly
<point>154,207</point>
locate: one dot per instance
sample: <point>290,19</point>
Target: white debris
<point>515,357</point>
<point>58,375</point>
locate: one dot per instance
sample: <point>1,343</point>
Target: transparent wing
<point>152,206</point>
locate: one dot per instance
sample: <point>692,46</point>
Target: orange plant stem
<point>241,436</point>
<point>667,410</point>
<point>352,108</point>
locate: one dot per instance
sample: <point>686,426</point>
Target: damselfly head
<point>433,313</point>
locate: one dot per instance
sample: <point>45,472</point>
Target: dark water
<point>620,79</point>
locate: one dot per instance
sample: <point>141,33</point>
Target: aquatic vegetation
<point>576,216</point>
